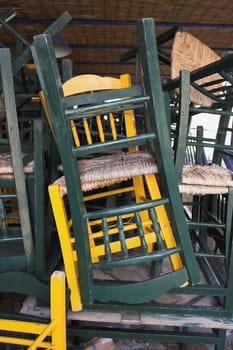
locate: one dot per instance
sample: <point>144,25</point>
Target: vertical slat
<point>39,201</point>
<point>87,131</point>
<point>3,217</point>
<point>141,233</point>
<point>100,128</point>
<point>74,133</point>
<point>156,227</point>
<point>120,226</point>
<point>107,248</point>
<point>113,126</point>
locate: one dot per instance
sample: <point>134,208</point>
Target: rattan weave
<point>111,169</point>
<point>190,53</point>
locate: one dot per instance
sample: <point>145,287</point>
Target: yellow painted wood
<point>100,128</point>
<point>164,223</point>
<point>56,329</point>
<point>58,310</point>
<point>66,242</point>
<point>87,131</point>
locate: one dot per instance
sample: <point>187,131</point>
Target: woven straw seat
<point>112,169</point>
<point>190,53</point>
<point>6,168</point>
<point>202,180</point>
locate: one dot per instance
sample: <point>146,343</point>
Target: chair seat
<point>115,168</point>
<point>6,168</point>
<point>209,179</point>
<point>112,169</point>
<point>190,53</point>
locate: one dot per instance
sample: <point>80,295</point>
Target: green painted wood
<point>161,147</point>
<point>180,337</point>
<point>106,240</point>
<point>156,255</point>
<point>97,98</point>
<point>139,292</point>
<point>183,122</point>
<point>39,202</point>
<point>67,69</point>
<point>120,226</point>
<point>24,283</point>
<point>63,140</point>
<point>141,233</point>
<point>126,209</point>
<point>16,153</point>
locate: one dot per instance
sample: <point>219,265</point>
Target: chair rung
<point>205,224</point>
<point>130,103</point>
<point>113,145</point>
<point>155,256</point>
<point>121,210</point>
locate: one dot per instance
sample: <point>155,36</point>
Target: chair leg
<point>66,242</point>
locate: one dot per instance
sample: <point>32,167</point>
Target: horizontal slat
<point>98,96</point>
<point>121,210</point>
<point>155,256</point>
<point>112,145</point>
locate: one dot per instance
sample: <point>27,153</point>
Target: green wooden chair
<point>154,139</point>
<point>25,77</point>
<point>23,244</point>
<point>12,176</point>
<point>207,189</point>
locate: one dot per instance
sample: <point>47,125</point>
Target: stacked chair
<point>27,240</point>
<point>22,167</point>
<point>106,236</point>
<point>206,185</point>
<point>25,77</point>
<point>150,228</point>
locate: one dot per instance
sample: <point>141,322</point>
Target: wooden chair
<point>25,77</point>
<point>207,189</point>
<point>190,53</point>
<point>24,244</point>
<point>135,167</point>
<point>36,333</point>
<point>12,177</point>
<point>74,108</point>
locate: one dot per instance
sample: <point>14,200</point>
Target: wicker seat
<point>204,180</point>
<point>6,167</point>
<point>188,52</point>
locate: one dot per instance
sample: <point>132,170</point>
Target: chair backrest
<point>107,125</point>
<point>199,142</point>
